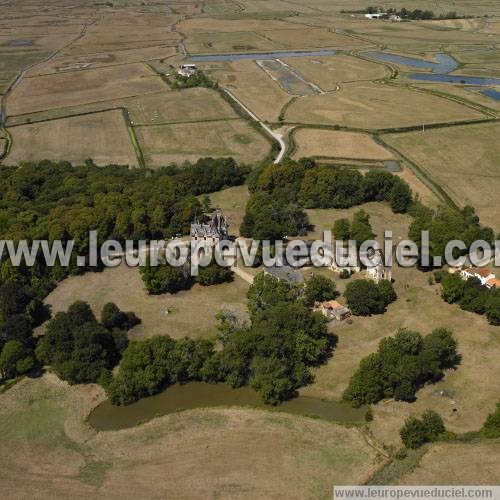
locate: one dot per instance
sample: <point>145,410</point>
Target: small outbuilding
<point>333,309</point>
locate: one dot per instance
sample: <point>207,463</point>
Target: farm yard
<point>98,81</point>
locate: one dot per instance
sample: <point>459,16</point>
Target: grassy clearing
<point>375,106</point>
<point>190,313</point>
<point>463,160</point>
<point>338,144</point>
<point>82,87</point>
<point>165,144</point>
<point>101,136</point>
<point>291,457</point>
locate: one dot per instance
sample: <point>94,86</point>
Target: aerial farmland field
<point>337,144</point>
<point>166,144</point>
<point>376,106</point>
<point>464,160</point>
<point>75,139</point>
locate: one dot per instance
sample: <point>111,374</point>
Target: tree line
<point>280,193</point>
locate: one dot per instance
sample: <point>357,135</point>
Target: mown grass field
<point>470,463</point>
<point>463,160</point>
<point>102,137</point>
<point>166,144</point>
<point>82,87</point>
<point>338,144</point>
<point>189,105</point>
<point>376,106</point>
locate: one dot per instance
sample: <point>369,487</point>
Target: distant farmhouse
<point>187,70</point>
<point>215,230</point>
<point>378,15</point>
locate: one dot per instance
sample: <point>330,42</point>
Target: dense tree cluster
<point>164,278</point>
<point>280,192</point>
<point>79,348</point>
<point>447,224</point>
<point>471,295</point>
<point>318,289</point>
<point>198,79</point>
<point>20,312</point>
<point>417,432</point>
<point>402,365</point>
<point>359,230</point>
<point>274,354</point>
<point>152,365</point>
<point>364,297</point>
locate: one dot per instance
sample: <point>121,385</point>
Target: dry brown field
<point>254,88</point>
<point>189,105</point>
<point>331,143</point>
<point>198,454</point>
<point>166,144</point>
<point>472,463</point>
<point>127,56</point>
<point>82,87</point>
<point>328,72</point>
<point>103,137</point>
<point>376,106</point>
<point>207,25</point>
<point>463,160</point>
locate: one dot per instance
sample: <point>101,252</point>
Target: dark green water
<point>201,395</point>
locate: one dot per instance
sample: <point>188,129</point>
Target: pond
<point>494,94</point>
<point>445,63</point>
<point>440,70</point>
<point>262,55</point>
<point>464,80</point>
<point>202,395</point>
